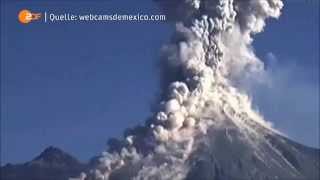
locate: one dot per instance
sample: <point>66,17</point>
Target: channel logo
<point>25,16</point>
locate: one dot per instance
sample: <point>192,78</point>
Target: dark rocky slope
<point>51,164</point>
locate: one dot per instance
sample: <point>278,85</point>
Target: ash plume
<point>209,55</point>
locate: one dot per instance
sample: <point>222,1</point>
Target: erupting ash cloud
<point>211,55</point>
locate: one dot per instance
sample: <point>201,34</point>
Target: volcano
<point>222,152</point>
<point>205,126</point>
<point>225,156</point>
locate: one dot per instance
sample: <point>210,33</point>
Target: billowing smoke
<point>209,57</point>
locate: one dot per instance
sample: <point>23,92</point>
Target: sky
<point>74,85</point>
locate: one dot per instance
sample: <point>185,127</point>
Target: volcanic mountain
<point>224,154</point>
<point>205,127</point>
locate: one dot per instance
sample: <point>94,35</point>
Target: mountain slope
<point>228,156</point>
<point>51,164</point>
<point>226,152</point>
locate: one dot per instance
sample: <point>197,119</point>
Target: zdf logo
<point>25,16</point>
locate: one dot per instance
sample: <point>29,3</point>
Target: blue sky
<point>74,85</point>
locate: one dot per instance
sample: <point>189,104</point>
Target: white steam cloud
<point>212,52</point>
